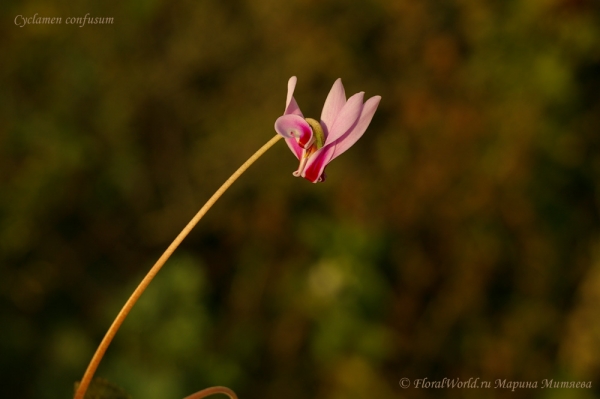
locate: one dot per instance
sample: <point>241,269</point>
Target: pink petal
<point>358,130</point>
<point>346,118</point>
<point>316,163</point>
<point>294,126</point>
<point>294,147</point>
<point>336,99</point>
<point>291,106</point>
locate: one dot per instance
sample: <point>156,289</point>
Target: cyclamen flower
<point>315,143</point>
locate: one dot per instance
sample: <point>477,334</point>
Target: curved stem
<point>91,369</point>
<point>212,391</point>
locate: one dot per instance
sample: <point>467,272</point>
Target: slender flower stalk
<point>213,391</point>
<point>91,369</point>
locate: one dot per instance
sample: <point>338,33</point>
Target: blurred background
<point>460,238</point>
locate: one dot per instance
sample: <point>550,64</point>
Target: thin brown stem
<point>212,391</point>
<point>91,369</point>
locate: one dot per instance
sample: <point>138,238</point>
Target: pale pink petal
<point>336,99</point>
<point>346,118</point>
<point>291,87</point>
<point>316,163</point>
<point>294,126</point>
<point>348,140</point>
<point>291,106</point>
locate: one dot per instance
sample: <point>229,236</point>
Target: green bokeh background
<point>460,238</point>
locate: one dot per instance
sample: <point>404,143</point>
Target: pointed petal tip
<point>360,94</point>
<point>371,105</point>
<point>375,99</point>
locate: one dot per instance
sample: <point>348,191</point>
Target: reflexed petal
<point>357,131</point>
<point>291,87</point>
<point>291,106</point>
<point>333,104</point>
<point>294,126</point>
<point>346,118</point>
<point>316,163</point>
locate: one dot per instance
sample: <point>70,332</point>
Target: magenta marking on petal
<point>316,163</point>
<point>334,102</point>
<point>351,137</point>
<point>346,118</point>
<point>305,139</point>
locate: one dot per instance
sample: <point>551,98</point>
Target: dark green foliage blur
<point>459,238</point>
